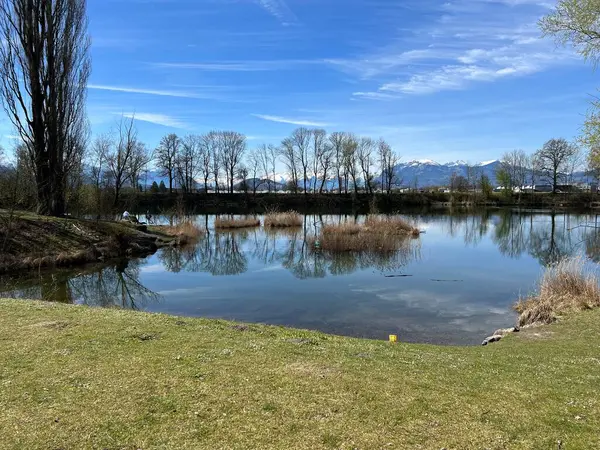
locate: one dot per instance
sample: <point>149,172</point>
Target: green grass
<point>76,377</point>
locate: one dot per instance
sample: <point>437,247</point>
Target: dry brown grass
<point>187,232</point>
<point>566,286</point>
<point>280,220</point>
<point>391,225</point>
<point>378,234</point>
<point>344,228</point>
<point>232,223</point>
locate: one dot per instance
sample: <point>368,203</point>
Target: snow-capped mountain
<point>424,173</point>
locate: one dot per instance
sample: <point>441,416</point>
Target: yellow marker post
<point>393,338</point>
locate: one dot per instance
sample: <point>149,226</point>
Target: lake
<point>454,285</point>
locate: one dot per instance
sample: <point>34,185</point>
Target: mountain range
<point>425,173</point>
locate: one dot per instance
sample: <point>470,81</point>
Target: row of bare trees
<point>310,156</point>
<point>554,163</point>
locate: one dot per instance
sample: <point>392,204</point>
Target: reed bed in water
<point>566,286</point>
<point>187,232</point>
<point>391,225</point>
<point>281,220</point>
<point>376,234</point>
<point>232,223</point>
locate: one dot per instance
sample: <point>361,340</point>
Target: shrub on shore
<point>286,219</point>
<point>232,223</point>
<point>566,286</point>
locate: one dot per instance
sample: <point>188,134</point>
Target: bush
<point>566,286</point>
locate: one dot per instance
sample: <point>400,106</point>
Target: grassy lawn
<point>75,377</point>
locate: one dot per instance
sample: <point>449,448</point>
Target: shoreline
<point>33,242</point>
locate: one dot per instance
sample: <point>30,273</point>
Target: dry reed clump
<point>286,219</point>
<point>245,222</point>
<point>376,234</point>
<point>566,286</point>
<point>344,228</point>
<point>187,232</point>
<point>391,225</point>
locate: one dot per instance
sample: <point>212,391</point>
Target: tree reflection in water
<point>227,252</point>
<point>115,285</point>
<point>546,237</point>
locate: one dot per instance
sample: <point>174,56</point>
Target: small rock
<point>505,331</point>
<point>490,339</point>
<point>240,327</point>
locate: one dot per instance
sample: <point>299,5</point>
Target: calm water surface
<point>454,285</point>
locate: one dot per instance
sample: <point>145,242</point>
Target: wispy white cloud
<point>280,10</point>
<point>239,66</point>
<point>300,122</point>
<point>158,119</point>
<point>376,95</point>
<point>160,92</point>
<point>472,41</point>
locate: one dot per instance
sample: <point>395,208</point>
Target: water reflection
<point>548,237</point>
<point>226,253</point>
<point>116,285</point>
<point>465,273</point>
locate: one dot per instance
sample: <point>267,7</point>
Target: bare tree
<point>350,161</point>
<point>336,142</point>
<point>139,158</point>
<point>533,168</point>
<point>366,146</point>
<point>327,160</point>
<point>207,152</point>
<point>167,153</point>
<point>554,157</point>
<point>319,147</point>
<point>213,141</point>
<point>388,160</point>
<point>515,163</point>
<point>574,163</point>
<point>98,163</point>
<point>266,156</point>
<point>120,159</point>
<point>44,68</point>
<point>188,162</point>
<point>288,155</point>
<point>232,146</point>
<point>472,175</point>
<point>254,163</point>
<point>300,140</point>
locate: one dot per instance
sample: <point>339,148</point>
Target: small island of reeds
<point>283,220</point>
<point>230,223</point>
<point>380,234</point>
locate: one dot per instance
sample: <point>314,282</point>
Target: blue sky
<point>444,80</point>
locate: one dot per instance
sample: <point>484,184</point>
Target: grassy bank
<point>29,241</point>
<point>75,377</point>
